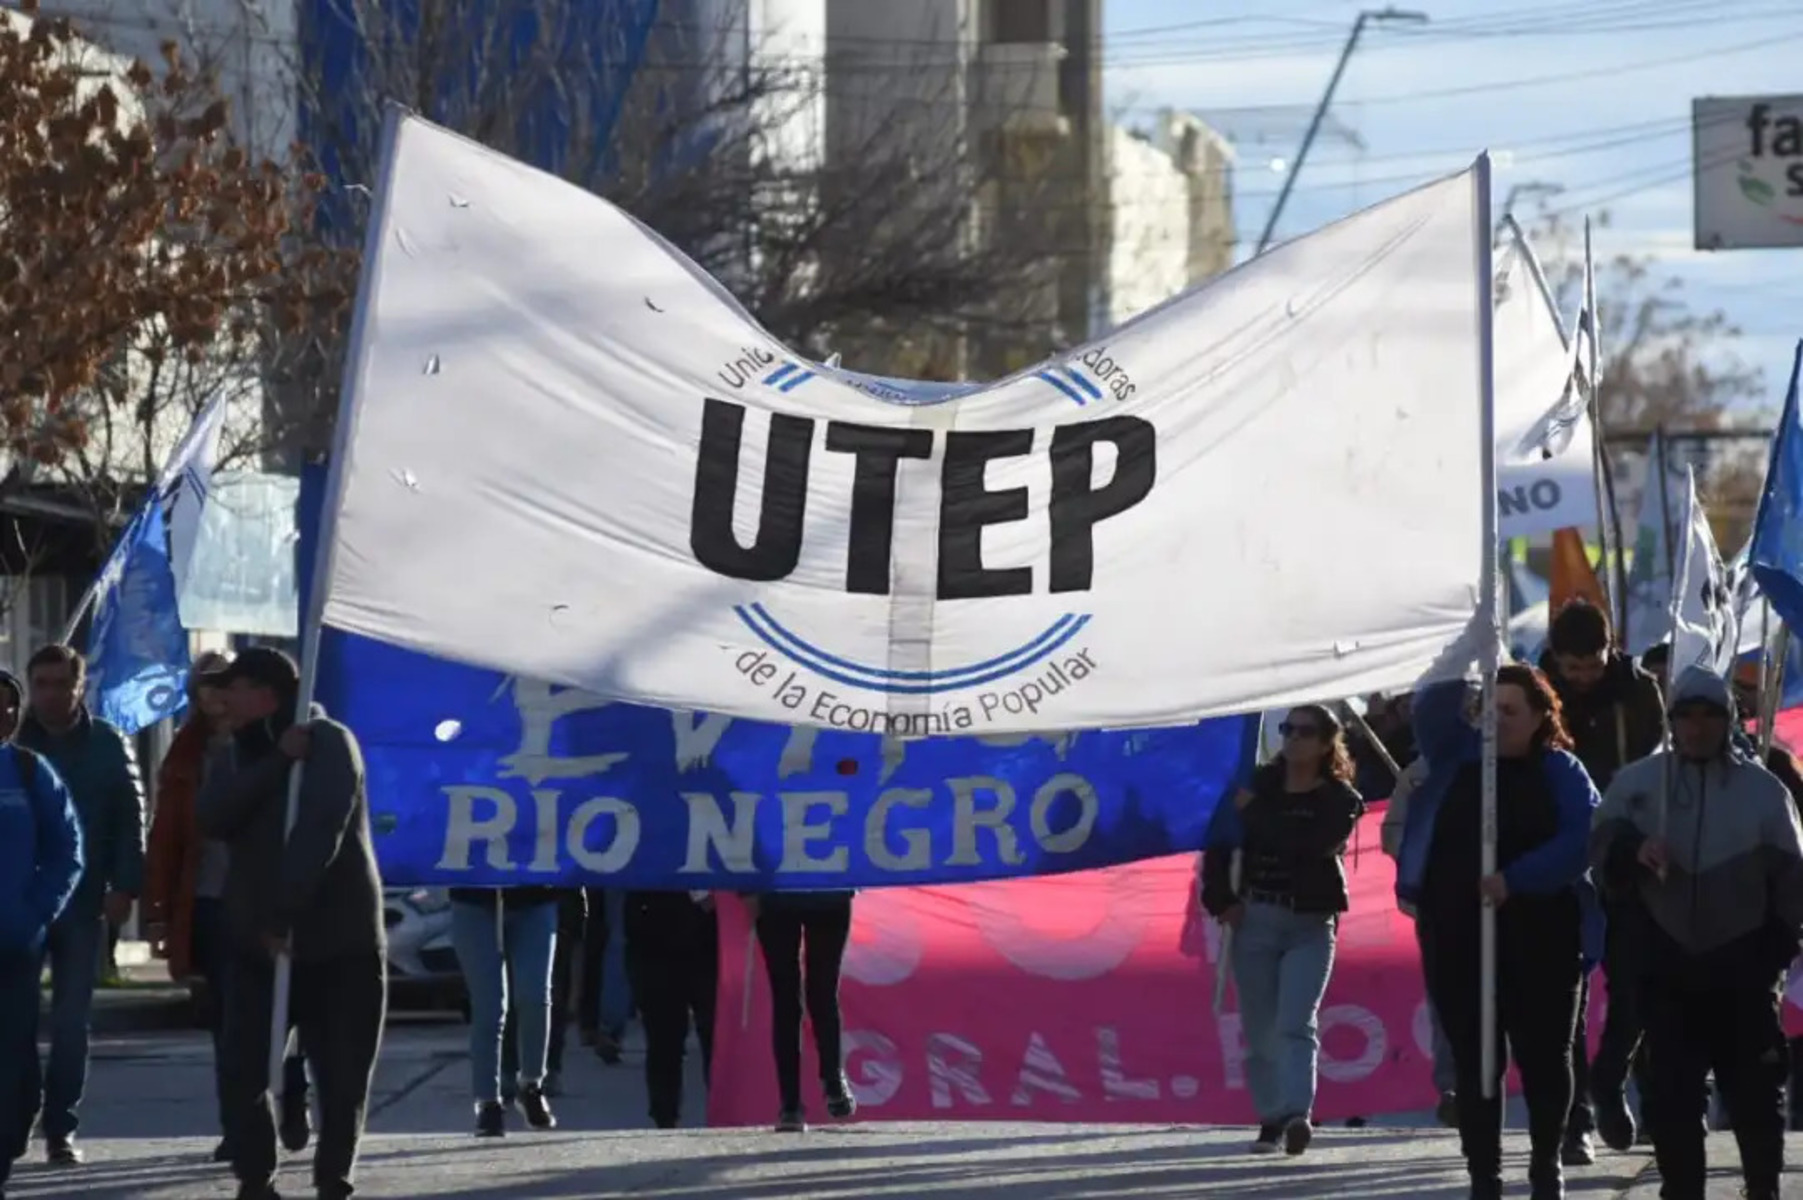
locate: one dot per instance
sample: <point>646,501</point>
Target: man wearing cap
<point>40,865</point>
<point>313,893</point>
<point>95,762</point>
<point>1700,845</point>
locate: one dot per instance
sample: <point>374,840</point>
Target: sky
<point>1590,96</point>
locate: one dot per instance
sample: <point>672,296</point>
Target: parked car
<point>422,966</point>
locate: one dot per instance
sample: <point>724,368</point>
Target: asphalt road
<point>148,1127</point>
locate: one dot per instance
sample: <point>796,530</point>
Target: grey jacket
<point>1733,888</point>
<point>320,884</point>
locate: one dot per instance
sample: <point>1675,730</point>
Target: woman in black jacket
<point>1289,830</point>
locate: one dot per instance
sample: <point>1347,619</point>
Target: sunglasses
<point>1290,729</point>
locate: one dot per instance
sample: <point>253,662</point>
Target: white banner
<point>1545,469</point>
<point>573,458</point>
<point>1656,548</point>
<point>1702,606</point>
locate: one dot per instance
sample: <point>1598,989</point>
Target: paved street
<point>149,1115</point>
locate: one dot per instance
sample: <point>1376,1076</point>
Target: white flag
<point>1702,606</point>
<point>186,479</point>
<point>1656,547</point>
<point>1545,445</point>
<point>572,457</point>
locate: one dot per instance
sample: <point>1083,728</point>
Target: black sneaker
<point>222,1153</point>
<point>1269,1140</point>
<point>257,1191</point>
<point>63,1152</point>
<point>607,1046</point>
<point>297,1121</point>
<point>1577,1150</point>
<point>790,1121</point>
<point>1447,1110</point>
<point>536,1107</point>
<point>1298,1132</point>
<point>1615,1123</point>
<point>491,1120</point>
<point>841,1105</point>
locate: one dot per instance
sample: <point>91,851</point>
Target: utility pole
<point>1314,125</point>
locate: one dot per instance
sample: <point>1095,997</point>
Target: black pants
<point>1538,975</point>
<point>21,1073</point>
<point>338,1006</point>
<point>594,945</point>
<point>1739,1033</point>
<point>804,944</point>
<point>1622,1049</point>
<point>1582,1118</point>
<point>674,980</point>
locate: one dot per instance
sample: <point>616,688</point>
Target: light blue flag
<point>1776,555</point>
<point>137,649</point>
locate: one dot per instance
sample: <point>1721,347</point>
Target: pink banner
<point>1083,997</point>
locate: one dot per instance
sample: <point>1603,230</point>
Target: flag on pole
<point>137,647</point>
<point>1571,576</point>
<point>674,509</point>
<point>1776,552</point>
<point>1656,543</point>
<point>1702,605</point>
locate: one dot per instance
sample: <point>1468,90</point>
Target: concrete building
<point>1001,103</point>
<point>1172,189</point>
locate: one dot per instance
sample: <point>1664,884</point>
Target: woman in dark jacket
<point>803,936</point>
<point>1289,830</point>
<point>1540,889</point>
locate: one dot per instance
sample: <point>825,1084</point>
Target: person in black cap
<point>312,892</point>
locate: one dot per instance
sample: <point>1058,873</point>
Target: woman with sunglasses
<point>1289,829</point>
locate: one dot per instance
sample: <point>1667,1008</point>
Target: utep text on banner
<point>670,508</point>
<point>1081,999</point>
<point>478,779</point>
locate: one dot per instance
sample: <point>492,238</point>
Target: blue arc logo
<point>798,650</point>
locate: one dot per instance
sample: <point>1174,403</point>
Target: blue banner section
<point>1776,553</point>
<point>137,649</point>
<point>478,779</point>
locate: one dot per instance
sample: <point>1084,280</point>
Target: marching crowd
<point>227,886</point>
<point>1675,863</point>
<point>1672,861</point>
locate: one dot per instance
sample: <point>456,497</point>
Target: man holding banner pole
<point>303,895</point>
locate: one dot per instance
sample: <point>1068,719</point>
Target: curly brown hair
<point>1338,763</point>
<point>1552,734</point>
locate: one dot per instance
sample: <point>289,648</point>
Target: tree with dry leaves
<point>140,247</point>
<point>896,205</point>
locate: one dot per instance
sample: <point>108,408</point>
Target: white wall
<point>1149,261</point>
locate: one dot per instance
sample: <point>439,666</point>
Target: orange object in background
<point>1572,575</point>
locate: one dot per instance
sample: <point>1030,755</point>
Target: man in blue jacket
<point>40,865</point>
<point>96,764</point>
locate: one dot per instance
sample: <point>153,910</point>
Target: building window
<point>1016,21</point>
<point>46,610</point>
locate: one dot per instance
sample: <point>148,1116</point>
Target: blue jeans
<point>1281,961</point>
<point>73,951</point>
<point>21,1082</point>
<point>614,1005</point>
<point>490,970</point>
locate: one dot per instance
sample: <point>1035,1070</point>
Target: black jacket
<point>319,884</point>
<point>1619,721</point>
<point>1291,847</point>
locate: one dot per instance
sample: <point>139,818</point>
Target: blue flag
<point>479,779</point>
<point>137,649</point>
<point>1776,556</point>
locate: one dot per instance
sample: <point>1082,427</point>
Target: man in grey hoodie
<point>313,893</point>
<point>1700,845</point>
